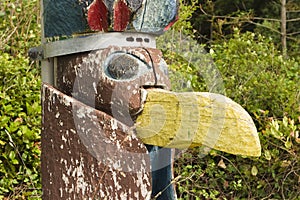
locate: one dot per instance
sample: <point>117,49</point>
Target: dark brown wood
<point>101,79</point>
<point>86,154</point>
<point>89,150</point>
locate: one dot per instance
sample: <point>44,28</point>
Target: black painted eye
<point>122,66</point>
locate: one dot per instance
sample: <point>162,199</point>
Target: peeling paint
<point>57,115</point>
<point>65,179</point>
<point>95,88</point>
<point>114,125</point>
<point>63,137</point>
<point>77,173</point>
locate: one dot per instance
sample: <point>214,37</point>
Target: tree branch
<point>294,33</point>
<point>293,20</point>
<point>293,11</point>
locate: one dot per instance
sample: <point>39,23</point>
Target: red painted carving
<point>98,16</point>
<point>121,15</point>
<point>171,23</point>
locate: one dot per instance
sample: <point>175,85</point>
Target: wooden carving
<point>109,121</point>
<point>69,17</point>
<point>87,154</point>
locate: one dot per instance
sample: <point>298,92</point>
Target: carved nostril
<point>122,67</point>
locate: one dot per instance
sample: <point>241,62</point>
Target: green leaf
<point>254,170</point>
<point>285,121</point>
<point>4,120</point>
<point>2,143</point>
<point>268,155</point>
<point>12,155</point>
<point>14,161</point>
<point>288,144</point>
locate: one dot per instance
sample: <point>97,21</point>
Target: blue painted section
<point>155,15</point>
<point>134,5</point>
<point>161,166</point>
<point>64,17</point>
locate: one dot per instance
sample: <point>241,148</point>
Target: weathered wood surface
<point>69,17</point>
<point>87,154</point>
<point>110,79</point>
<point>182,120</point>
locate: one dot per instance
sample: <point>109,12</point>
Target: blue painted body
<point>161,166</point>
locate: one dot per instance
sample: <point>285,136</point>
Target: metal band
<point>93,42</point>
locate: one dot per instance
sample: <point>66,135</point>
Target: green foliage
<point>215,20</point>
<point>186,11</point>
<point>20,115</point>
<point>270,25</point>
<point>271,28</point>
<point>19,25</point>
<point>191,67</point>
<point>183,55</point>
<point>285,131</point>
<point>247,68</point>
<point>20,110</point>
<point>274,175</point>
<point>257,77</point>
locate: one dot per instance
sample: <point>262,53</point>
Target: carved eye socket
<point>122,66</point>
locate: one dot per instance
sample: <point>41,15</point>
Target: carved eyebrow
<point>137,57</point>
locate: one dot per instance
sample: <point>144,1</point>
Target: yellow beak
<point>190,119</point>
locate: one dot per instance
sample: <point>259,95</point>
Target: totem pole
<point>109,120</point>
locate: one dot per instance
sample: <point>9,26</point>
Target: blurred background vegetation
<point>246,60</point>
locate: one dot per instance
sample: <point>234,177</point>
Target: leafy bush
<point>19,26</point>
<point>274,175</point>
<point>20,110</point>
<point>20,115</point>
<point>258,77</point>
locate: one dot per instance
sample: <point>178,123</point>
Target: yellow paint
<point>186,120</point>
